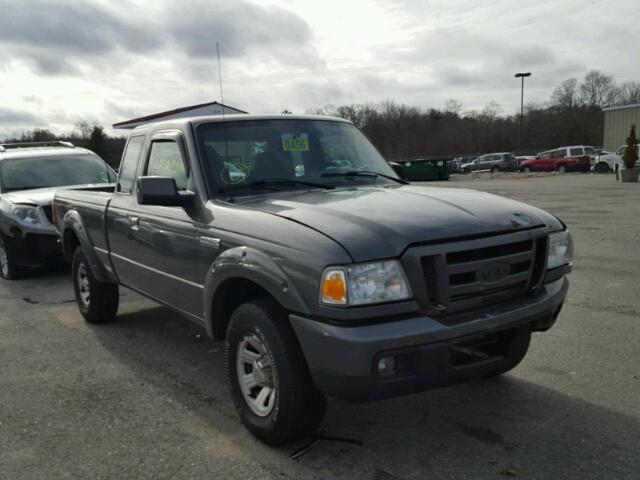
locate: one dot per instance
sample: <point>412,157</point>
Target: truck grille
<point>457,280</point>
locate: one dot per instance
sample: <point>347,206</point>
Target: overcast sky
<point>108,61</point>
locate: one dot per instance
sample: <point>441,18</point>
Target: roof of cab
<point>155,126</point>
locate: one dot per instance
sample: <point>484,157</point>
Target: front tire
<point>269,379</point>
<point>9,270</point>
<point>495,170</point>
<point>526,169</point>
<point>97,301</point>
<point>602,167</point>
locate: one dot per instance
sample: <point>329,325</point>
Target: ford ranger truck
<point>291,239</point>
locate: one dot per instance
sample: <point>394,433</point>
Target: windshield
<point>241,155</point>
<point>53,171</point>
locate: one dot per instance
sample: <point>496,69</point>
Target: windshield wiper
<point>272,182</point>
<point>364,173</point>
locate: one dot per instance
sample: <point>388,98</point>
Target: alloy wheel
<point>4,260</point>
<point>83,285</point>
<point>256,375</point>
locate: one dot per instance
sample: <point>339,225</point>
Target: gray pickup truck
<point>293,240</point>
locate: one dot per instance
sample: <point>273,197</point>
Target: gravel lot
<point>144,398</point>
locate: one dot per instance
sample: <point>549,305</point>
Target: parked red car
<point>563,159</point>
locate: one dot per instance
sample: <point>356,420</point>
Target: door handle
<point>134,222</point>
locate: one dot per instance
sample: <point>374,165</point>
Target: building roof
<point>159,116</point>
<point>621,107</point>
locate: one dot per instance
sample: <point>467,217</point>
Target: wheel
<point>602,167</point>
<point>97,301</point>
<point>269,379</point>
<point>494,169</point>
<point>517,348</point>
<point>562,168</point>
<point>9,270</point>
<point>526,169</point>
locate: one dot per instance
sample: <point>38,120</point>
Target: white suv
<point>611,162</point>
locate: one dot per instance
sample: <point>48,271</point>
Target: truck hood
<point>43,196</point>
<point>374,222</point>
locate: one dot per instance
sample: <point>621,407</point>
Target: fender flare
<point>249,264</point>
<point>72,221</point>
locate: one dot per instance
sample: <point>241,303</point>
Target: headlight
<point>364,283</point>
<point>560,249</point>
<point>26,213</point>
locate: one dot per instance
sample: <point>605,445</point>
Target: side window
<point>558,153</point>
<point>129,165</point>
<point>575,152</point>
<point>589,151</point>
<point>165,160</point>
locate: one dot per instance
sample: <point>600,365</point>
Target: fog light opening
<point>386,366</point>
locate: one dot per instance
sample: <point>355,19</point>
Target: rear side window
<point>589,151</point>
<point>129,164</point>
<point>575,152</point>
<point>166,160</point>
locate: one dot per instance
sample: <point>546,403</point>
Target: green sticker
<point>295,142</point>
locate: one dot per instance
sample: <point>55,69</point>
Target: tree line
<point>85,134</point>
<point>572,115</point>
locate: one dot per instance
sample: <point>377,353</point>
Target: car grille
<point>466,278</point>
<point>48,213</point>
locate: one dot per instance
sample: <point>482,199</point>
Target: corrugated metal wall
<point>617,124</point>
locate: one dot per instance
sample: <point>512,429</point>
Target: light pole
<point>522,75</point>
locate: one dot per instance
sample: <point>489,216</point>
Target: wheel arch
<point>74,235</point>
<point>240,275</point>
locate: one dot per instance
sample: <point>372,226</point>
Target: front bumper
<point>342,359</point>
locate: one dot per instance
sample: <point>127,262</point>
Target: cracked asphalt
<point>145,396</point>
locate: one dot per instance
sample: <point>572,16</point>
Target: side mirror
<point>162,191</point>
<point>398,169</point>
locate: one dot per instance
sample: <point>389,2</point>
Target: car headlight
<point>26,213</point>
<point>560,249</point>
<point>364,283</point>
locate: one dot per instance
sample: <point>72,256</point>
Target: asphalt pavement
<point>145,396</point>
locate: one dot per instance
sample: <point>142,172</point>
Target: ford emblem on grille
<point>493,272</point>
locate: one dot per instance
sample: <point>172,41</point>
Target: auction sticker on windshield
<point>295,142</point>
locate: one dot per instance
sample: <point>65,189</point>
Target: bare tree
<point>453,107</point>
<point>597,89</point>
<point>565,96</point>
<point>628,93</point>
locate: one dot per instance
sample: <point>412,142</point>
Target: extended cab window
<point>166,160</point>
<point>129,165</point>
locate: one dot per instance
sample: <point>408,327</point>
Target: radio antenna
<point>220,75</point>
<point>224,124</point>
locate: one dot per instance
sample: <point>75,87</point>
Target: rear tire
<point>277,401</point>
<point>494,169</point>
<point>562,168</point>
<point>9,270</point>
<point>97,301</point>
<point>602,167</point>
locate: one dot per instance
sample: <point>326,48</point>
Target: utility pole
<point>522,75</point>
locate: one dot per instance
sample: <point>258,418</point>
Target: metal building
<point>204,109</point>
<point>617,123</point>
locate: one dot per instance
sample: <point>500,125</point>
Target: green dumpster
<point>421,169</point>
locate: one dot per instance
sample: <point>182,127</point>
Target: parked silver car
<point>494,162</point>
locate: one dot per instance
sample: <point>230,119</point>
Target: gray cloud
<point>239,25</point>
<point>55,40</point>
<point>10,117</point>
<point>72,27</point>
